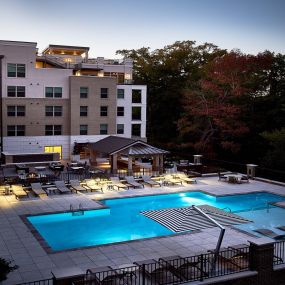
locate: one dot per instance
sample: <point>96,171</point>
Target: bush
<point>5,268</point>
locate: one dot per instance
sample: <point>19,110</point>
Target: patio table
<point>236,177</point>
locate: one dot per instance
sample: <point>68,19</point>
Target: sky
<point>109,25</point>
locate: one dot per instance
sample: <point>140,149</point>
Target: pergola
<point>117,148</point>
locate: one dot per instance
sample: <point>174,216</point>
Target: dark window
<point>136,113</point>
<point>104,93</point>
<point>136,130</point>
<point>53,130</point>
<point>13,111</point>
<point>83,92</point>
<point>120,93</point>
<point>16,70</point>
<point>18,130</point>
<point>136,96</point>
<point>16,91</point>
<point>120,129</point>
<point>103,129</point>
<point>55,111</point>
<point>83,130</point>
<point>120,111</point>
<point>103,111</point>
<point>53,92</point>
<point>83,111</point>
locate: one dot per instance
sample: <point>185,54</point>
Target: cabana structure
<point>126,154</point>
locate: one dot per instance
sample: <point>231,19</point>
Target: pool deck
<point>18,243</point>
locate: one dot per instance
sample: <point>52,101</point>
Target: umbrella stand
<point>221,236</point>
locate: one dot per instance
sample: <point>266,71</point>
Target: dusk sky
<point>108,25</point>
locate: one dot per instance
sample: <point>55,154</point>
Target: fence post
<point>261,252</point>
<point>201,267</point>
<point>143,274</point>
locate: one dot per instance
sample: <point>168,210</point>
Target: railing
<point>137,174</point>
<point>38,282</point>
<point>173,271</point>
<point>279,253</point>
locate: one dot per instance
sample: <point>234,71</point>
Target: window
<point>136,130</point>
<point>103,129</point>
<point>104,93</point>
<point>54,148</point>
<point>53,111</point>
<point>103,111</point>
<point>83,92</point>
<point>53,130</point>
<point>18,130</point>
<point>120,93</point>
<point>16,70</point>
<point>136,113</point>
<point>136,96</point>
<point>120,111</point>
<point>53,92</point>
<point>83,111</point>
<point>16,91</point>
<point>83,130</point>
<point>120,129</point>
<point>16,111</point>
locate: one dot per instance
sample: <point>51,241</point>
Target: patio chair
<point>75,184</point>
<point>172,181</point>
<point>117,183</point>
<point>38,190</point>
<point>60,185</point>
<point>184,178</point>
<point>147,179</point>
<point>269,233</point>
<point>186,268</point>
<point>19,192</point>
<point>158,272</point>
<point>107,275</point>
<point>92,185</point>
<point>133,183</point>
<point>244,178</point>
<point>222,177</point>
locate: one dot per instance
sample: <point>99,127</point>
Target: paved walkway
<point>17,243</point>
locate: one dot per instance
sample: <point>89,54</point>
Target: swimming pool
<point>122,221</point>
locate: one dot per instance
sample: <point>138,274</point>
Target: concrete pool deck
<point>17,242</point>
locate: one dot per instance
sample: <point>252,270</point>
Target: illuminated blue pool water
<point>122,220</point>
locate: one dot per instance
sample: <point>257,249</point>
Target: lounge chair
<point>158,272</point>
<point>19,192</point>
<point>75,184</point>
<point>38,190</point>
<point>186,268</point>
<point>60,185</point>
<point>173,181</point>
<point>147,179</point>
<point>133,183</point>
<point>106,275</point>
<point>116,183</point>
<point>184,178</point>
<point>269,233</point>
<point>244,178</point>
<point>92,185</point>
<point>222,177</point>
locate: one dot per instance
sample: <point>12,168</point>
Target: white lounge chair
<point>133,183</point>
<point>60,185</point>
<point>38,190</point>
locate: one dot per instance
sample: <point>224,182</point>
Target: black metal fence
<point>172,270</point>
<point>279,253</point>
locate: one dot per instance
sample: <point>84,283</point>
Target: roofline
<point>65,46</point>
<point>130,144</point>
<point>7,42</point>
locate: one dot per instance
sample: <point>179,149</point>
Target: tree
<point>213,112</point>
<point>6,268</point>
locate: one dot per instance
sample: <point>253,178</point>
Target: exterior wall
<point>35,118</point>
<point>36,144</point>
<point>94,101</point>
<point>127,104</point>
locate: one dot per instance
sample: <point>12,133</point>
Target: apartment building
<point>54,99</point>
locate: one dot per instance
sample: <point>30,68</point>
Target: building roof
<point>78,49</point>
<point>114,144</point>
